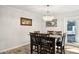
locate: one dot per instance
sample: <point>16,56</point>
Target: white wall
<point>77,29</point>
<point>11,32</point>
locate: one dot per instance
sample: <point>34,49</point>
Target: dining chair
<point>60,43</point>
<point>46,44</point>
<point>34,43</point>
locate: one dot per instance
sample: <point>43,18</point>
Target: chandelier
<point>48,17</point>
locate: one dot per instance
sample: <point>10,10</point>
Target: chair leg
<point>38,49</point>
<point>62,50</point>
<point>31,46</point>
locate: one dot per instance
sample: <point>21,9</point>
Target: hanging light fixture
<point>48,17</point>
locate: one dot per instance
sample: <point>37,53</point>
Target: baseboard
<point>14,47</point>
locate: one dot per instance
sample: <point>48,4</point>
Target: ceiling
<point>53,9</point>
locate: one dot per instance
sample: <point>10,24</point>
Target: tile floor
<point>69,49</point>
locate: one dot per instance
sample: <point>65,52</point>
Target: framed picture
<point>52,23</point>
<point>25,21</point>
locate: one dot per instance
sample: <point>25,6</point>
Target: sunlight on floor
<point>72,47</point>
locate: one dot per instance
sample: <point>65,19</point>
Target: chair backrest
<point>55,32</point>
<point>43,37</point>
<point>34,38</point>
<point>36,31</point>
<point>50,32</point>
<point>58,32</point>
<point>43,34</point>
<point>63,38</point>
<point>61,41</point>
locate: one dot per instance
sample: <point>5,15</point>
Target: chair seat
<point>59,43</point>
